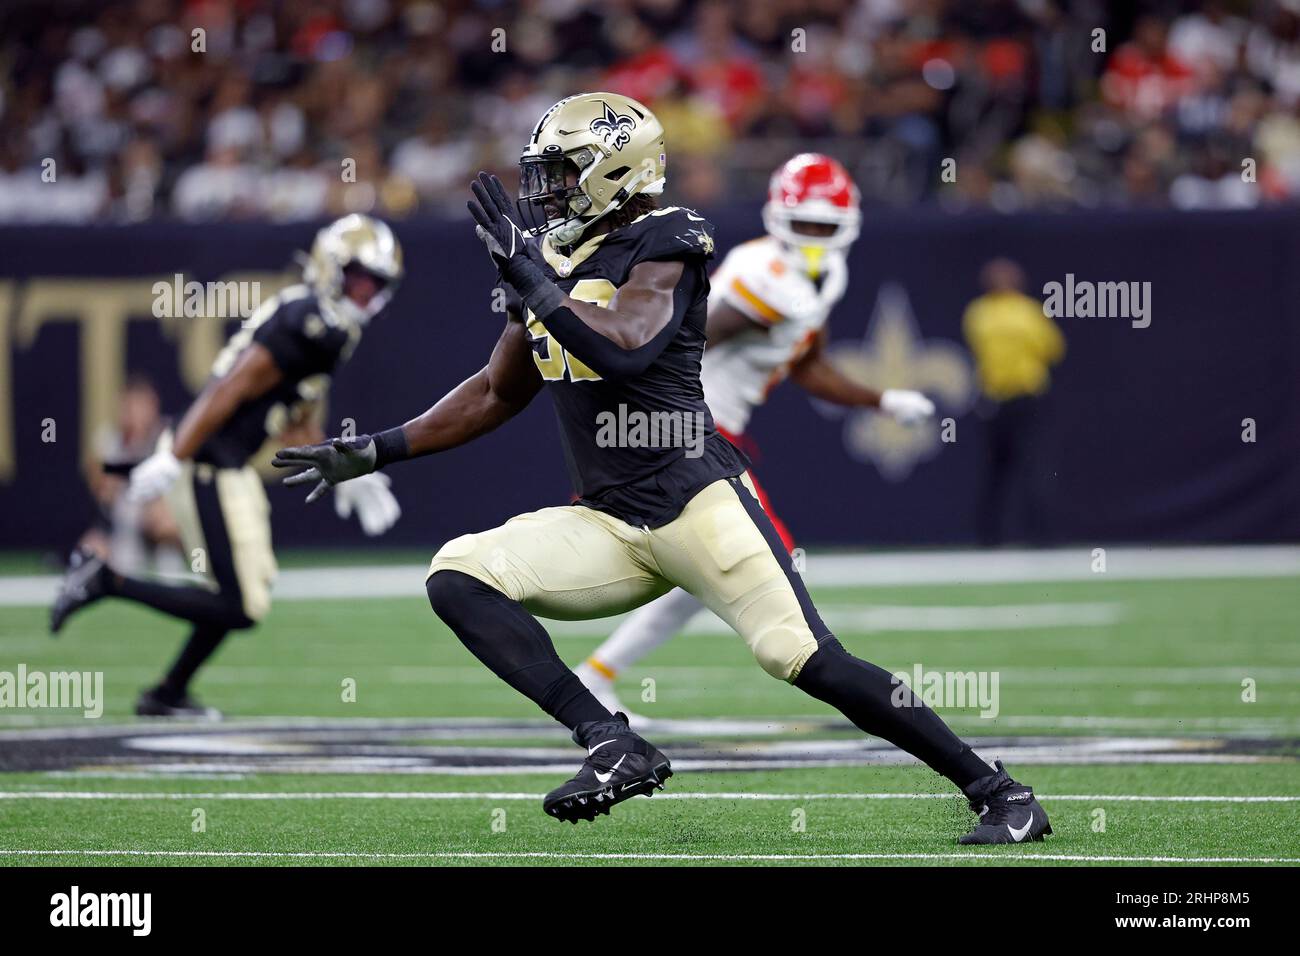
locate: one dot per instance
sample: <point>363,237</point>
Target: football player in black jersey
<point>273,373</point>
<point>611,295</point>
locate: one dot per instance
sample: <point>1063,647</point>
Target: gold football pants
<point>225,526</point>
<point>576,563</point>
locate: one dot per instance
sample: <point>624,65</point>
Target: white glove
<point>377,509</point>
<point>905,406</point>
<point>153,476</point>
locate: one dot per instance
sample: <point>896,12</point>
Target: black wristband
<point>539,294</point>
<point>390,446</point>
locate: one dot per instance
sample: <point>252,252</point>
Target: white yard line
<point>1063,564</point>
<point>824,570</point>
<point>999,858</point>
<point>497,795</point>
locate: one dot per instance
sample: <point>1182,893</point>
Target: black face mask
<point>542,185</point>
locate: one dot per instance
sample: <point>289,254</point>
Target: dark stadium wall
<point>1141,437</point>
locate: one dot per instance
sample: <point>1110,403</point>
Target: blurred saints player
<point>613,294</point>
<point>768,307</point>
<point>272,375</point>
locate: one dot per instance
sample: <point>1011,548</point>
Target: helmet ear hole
<point>614,175</point>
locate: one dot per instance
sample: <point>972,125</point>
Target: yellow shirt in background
<point>1014,344</point>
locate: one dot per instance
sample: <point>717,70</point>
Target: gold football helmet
<point>354,240</point>
<point>611,143</point>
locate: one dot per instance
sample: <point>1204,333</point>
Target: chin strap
<point>652,188</point>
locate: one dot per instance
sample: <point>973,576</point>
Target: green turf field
<point>1120,701</point>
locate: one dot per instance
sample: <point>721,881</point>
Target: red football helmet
<point>812,188</point>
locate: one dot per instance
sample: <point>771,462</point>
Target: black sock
<point>510,641</point>
<point>865,694</point>
<point>203,642</point>
<point>199,605</point>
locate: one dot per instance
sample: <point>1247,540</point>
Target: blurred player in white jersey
<point>768,307</point>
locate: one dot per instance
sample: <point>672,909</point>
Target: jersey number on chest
<point>552,360</point>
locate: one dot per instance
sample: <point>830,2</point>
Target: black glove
<point>328,463</point>
<point>490,208</point>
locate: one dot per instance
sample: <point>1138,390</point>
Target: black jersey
<point>305,345</point>
<point>639,448</point>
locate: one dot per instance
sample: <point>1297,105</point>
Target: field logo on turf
<point>947,689</point>
<point>53,690</point>
<point>74,908</point>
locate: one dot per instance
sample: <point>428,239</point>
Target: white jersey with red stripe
<point>765,281</point>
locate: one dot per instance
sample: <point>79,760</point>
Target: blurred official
<point>1015,345</point>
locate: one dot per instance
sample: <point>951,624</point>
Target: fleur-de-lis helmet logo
<point>614,129</point>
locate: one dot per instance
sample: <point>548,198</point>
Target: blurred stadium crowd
<point>418,94</point>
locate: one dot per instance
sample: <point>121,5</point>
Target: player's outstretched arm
<point>618,341</point>
<point>485,400</point>
<point>818,377</point>
<point>253,375</point>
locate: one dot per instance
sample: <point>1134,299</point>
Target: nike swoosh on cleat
<point>1019,834</point>
<point>592,750</point>
<point>604,777</point>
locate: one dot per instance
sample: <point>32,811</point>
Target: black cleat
<point>619,765</point>
<point>1008,811</point>
<point>84,582</point>
<point>156,702</point>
